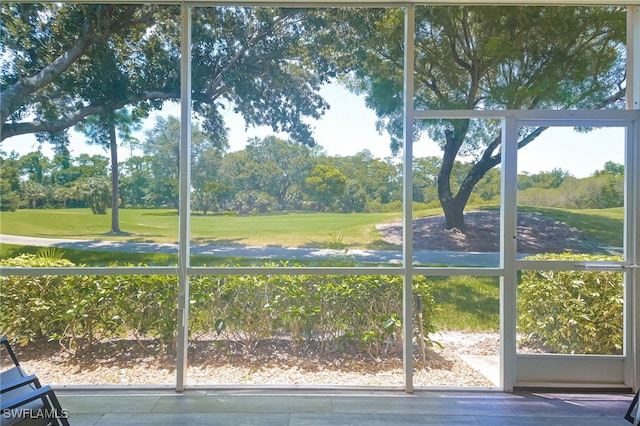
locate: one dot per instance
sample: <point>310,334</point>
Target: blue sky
<point>348,127</point>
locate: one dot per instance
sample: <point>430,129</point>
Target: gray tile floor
<point>340,407</point>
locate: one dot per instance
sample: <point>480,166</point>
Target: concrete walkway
<point>448,258</point>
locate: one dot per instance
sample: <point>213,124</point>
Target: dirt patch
<point>536,234</point>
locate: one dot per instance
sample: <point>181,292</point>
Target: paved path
<point>448,258</point>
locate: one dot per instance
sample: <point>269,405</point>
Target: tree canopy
<point>65,62</point>
<point>482,58</point>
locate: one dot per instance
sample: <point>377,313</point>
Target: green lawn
<point>291,229</point>
<point>294,229</point>
<point>467,303</point>
<point>603,224</point>
<point>464,303</point>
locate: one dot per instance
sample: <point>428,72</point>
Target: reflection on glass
<point>465,344</point>
<point>571,312</point>
<point>92,330</point>
<point>297,330</point>
<point>571,192</point>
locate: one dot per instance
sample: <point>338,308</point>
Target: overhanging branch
<point>16,129</point>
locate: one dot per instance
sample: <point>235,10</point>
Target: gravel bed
<point>131,366</point>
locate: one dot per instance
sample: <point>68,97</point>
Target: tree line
<point>70,64</point>
<point>270,174</point>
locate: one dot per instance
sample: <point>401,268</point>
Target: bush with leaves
<point>333,312</point>
<point>34,307</point>
<point>572,311</point>
<point>330,312</point>
<point>79,310</point>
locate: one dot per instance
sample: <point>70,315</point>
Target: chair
<point>23,400</point>
<point>14,373</point>
<point>633,413</point>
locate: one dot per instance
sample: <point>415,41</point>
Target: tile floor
<point>340,407</point>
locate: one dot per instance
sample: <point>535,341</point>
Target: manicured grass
<point>467,303</point>
<point>111,258</point>
<point>95,257</point>
<point>603,224</point>
<point>288,230</point>
<point>142,225</point>
<point>292,229</point>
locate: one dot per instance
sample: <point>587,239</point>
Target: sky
<point>348,127</point>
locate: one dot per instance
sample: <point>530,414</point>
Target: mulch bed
<point>536,234</point>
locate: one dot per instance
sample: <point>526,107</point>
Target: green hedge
<point>334,312</point>
<point>572,311</point>
<point>79,310</point>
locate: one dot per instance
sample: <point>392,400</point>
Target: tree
<point>62,62</point>
<point>325,185</point>
<point>378,178</point>
<point>161,147</point>
<point>56,74</point>
<point>34,166</point>
<point>544,180</point>
<point>481,58</point>
<point>425,179</point>
<point>135,180</point>
<point>271,165</point>
<point>610,168</point>
<point>33,193</point>
<point>9,182</point>
<point>103,130</point>
<point>10,201</point>
<point>96,191</point>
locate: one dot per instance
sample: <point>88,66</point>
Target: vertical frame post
<point>632,200</point>
<point>185,197</point>
<point>632,255</point>
<point>508,248</point>
<point>633,57</point>
<point>407,189</point>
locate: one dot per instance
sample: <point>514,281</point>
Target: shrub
<point>79,310</point>
<point>572,311</point>
<point>331,312</point>
<point>334,312</point>
<point>31,307</point>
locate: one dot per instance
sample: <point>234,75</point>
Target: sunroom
<point>376,194</point>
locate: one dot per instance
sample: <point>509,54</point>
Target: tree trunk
<point>454,214</point>
<point>453,205</point>
<point>115,194</point>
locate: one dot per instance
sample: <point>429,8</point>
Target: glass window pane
<point>93,330</point>
<point>296,330</point>
<point>571,192</point>
<point>456,191</point>
<point>478,57</point>
<point>463,317</point>
<point>571,312</point>
<point>78,173</point>
<point>287,163</point>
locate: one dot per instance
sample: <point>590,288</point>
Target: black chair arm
<point>48,398</point>
<point>5,342</point>
<point>6,387</point>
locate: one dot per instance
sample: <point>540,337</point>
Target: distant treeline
<point>270,174</point>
